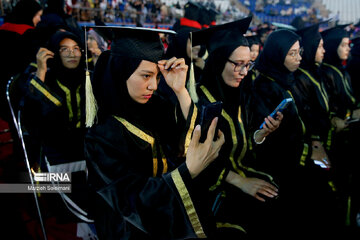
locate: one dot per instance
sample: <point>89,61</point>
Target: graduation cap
<point>311,31</point>
<point>231,33</point>
<point>192,16</point>
<point>134,42</point>
<point>137,42</point>
<point>283,26</point>
<point>222,35</point>
<point>192,11</point>
<point>337,32</point>
<point>208,16</point>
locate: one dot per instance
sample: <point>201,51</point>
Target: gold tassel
<point>191,85</point>
<point>90,104</point>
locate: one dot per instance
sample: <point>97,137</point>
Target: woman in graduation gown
<point>54,122</point>
<point>238,192</point>
<point>287,150</point>
<point>344,106</point>
<point>142,183</point>
<point>313,104</point>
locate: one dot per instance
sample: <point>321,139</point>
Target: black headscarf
<point>310,39</point>
<point>271,59</point>
<point>70,77</point>
<point>332,38</point>
<point>110,89</point>
<point>24,12</point>
<point>213,80</point>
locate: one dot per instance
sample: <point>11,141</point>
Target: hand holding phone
<point>284,103</point>
<point>208,113</point>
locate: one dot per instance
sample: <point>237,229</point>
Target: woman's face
<point>70,53</point>
<point>143,82</point>
<point>344,49</point>
<point>92,43</point>
<point>254,51</point>
<point>319,56</point>
<point>37,18</point>
<point>192,50</point>
<point>240,56</point>
<point>293,57</point>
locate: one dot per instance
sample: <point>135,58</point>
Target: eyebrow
<point>76,45</point>
<point>147,71</point>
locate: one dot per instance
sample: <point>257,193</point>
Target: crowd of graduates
<point>123,108</point>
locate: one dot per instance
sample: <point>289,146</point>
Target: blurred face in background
<point>254,51</point>
<point>192,50</point>
<point>344,49</point>
<point>37,18</point>
<point>293,57</point>
<point>319,56</point>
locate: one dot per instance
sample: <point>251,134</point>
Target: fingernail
<point>197,128</point>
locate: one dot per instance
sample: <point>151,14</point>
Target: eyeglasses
<point>239,67</point>
<point>295,53</point>
<point>65,51</point>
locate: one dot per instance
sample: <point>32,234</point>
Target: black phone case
<point>208,113</point>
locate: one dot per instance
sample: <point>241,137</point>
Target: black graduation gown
<point>339,88</point>
<point>345,143</point>
<point>352,67</point>
<point>313,104</point>
<point>142,189</point>
<point>235,211</point>
<point>53,115</point>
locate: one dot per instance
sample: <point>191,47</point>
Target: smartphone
<point>284,103</point>
<point>208,113</point>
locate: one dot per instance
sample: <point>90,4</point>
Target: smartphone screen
<point>208,113</point>
<point>284,103</point>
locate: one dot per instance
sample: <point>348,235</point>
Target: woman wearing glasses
<point>286,153</point>
<point>53,114</point>
<point>239,187</point>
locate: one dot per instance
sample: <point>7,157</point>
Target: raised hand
<point>200,155</point>
<point>41,59</point>
<point>174,71</point>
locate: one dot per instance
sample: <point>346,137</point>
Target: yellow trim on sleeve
<point>188,204</point>
<point>68,99</point>
<point>136,131</point>
<point>142,135</point>
<point>191,129</point>
<point>45,92</point>
<point>229,225</point>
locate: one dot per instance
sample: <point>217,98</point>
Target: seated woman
<point>143,185</point>
<point>54,117</point>
<point>240,190</point>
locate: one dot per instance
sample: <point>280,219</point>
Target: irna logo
<point>50,177</point>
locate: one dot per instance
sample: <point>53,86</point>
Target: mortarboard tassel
<point>90,101</point>
<point>90,104</point>
<point>191,85</point>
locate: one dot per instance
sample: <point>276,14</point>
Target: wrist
<point>259,137</point>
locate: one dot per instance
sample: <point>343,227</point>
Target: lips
<point>147,96</point>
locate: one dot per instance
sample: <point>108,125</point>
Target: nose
<point>152,84</point>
